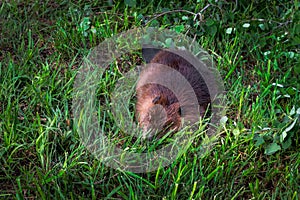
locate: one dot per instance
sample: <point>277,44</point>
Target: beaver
<point>163,99</point>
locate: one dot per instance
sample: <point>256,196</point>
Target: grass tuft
<point>255,46</point>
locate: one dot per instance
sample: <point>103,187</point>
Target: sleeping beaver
<point>165,92</point>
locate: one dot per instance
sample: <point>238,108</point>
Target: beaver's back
<point>191,74</point>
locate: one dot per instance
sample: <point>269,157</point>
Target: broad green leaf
<point>283,136</point>
<point>229,30</point>
<point>85,24</point>
<point>169,42</point>
<point>246,25</point>
<point>223,120</point>
<point>210,22</point>
<point>293,111</point>
<point>290,127</point>
<point>236,132</point>
<point>272,148</point>
<point>130,3</point>
<point>179,28</point>
<point>287,143</point>
<point>262,26</point>
<point>185,17</point>
<point>259,140</point>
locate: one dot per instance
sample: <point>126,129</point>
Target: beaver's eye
<point>156,99</point>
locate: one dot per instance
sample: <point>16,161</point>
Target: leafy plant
<point>282,139</point>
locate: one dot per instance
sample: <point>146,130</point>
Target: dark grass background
<point>255,46</point>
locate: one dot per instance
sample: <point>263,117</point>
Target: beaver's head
<point>156,116</point>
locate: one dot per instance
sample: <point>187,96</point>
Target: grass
<point>256,49</point>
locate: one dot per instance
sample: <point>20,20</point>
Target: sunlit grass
<point>41,153</point>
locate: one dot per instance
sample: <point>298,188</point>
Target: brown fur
<point>157,107</point>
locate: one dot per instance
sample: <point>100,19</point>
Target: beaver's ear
<point>178,108</point>
<point>179,111</point>
<point>156,99</point>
